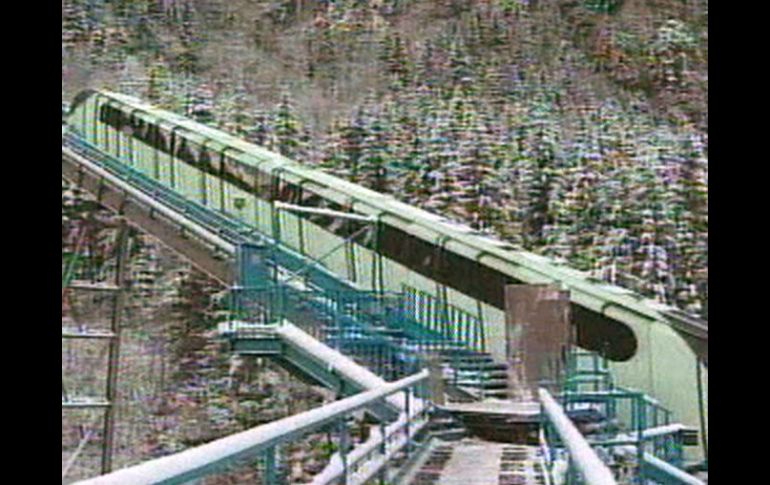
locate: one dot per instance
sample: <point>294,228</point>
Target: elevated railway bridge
<point>360,293</point>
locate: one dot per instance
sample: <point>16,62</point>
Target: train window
<point>206,161</point>
<point>183,151</point>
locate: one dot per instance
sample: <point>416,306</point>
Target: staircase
<point>374,331</point>
<point>398,345</point>
<point>392,334</point>
<point>476,374</point>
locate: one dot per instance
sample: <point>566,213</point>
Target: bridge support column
<point>88,281</point>
<point>113,363</point>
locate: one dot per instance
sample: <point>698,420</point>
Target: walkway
<point>477,462</point>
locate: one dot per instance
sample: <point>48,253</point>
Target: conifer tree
<point>288,134</point>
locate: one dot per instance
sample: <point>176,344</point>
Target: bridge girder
<point>215,260</point>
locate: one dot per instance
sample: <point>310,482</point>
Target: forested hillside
<point>574,128</point>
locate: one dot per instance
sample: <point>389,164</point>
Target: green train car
<point>654,348</point>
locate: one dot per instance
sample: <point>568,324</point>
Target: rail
<point>582,456</point>
<point>196,463</point>
<point>662,472</point>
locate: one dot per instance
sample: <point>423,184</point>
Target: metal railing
<point>381,331</point>
<point>197,220</point>
<point>634,433</point>
<point>640,423</point>
<point>660,471</point>
<point>582,457</point>
<point>427,324</point>
<point>218,456</point>
<point>434,317</point>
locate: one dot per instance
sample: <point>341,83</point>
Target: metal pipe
<point>336,362</point>
<point>78,451</point>
<point>702,409</point>
<point>361,457</point>
<point>204,460</point>
<point>324,212</point>
<point>75,334</point>
<point>591,468</point>
<point>650,433</point>
<point>672,473</point>
<point>656,466</point>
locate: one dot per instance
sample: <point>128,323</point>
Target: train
<point>652,347</point>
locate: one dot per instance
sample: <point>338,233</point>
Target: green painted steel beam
<point>261,347</point>
<point>295,360</point>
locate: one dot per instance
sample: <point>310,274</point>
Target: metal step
<point>490,385</point>
<point>477,461</point>
<point>477,372</point>
<point>74,333</point>
<point>521,464</point>
<point>81,402</point>
<point>456,358</point>
<point>90,286</point>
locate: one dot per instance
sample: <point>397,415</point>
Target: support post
<point>123,249</point>
<point>344,448</point>
<point>408,426</point>
<point>383,475</point>
<point>436,381</point>
<point>270,471</point>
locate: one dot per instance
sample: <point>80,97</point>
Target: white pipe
<point>651,460</point>
<point>372,467</point>
<point>334,470</point>
<point>78,451</point>
<point>84,403</point>
<point>676,473</point>
<point>324,212</point>
<point>335,360</point>
<point>75,333</point>
<point>590,466</point>
<point>654,432</point>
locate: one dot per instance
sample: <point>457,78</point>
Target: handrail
<point>668,473</point>
<point>370,457</point>
<point>218,229</point>
<point>212,457</point>
<point>585,459</point>
<point>143,198</point>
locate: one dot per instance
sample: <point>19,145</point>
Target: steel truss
<point>81,276</point>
